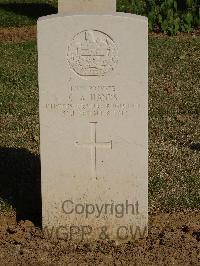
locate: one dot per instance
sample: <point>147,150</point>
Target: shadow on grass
<point>31,10</point>
<point>20,183</point>
<point>195,146</point>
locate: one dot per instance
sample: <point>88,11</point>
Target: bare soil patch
<point>174,239</point>
<point>16,34</point>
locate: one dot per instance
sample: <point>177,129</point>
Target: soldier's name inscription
<point>93,101</point>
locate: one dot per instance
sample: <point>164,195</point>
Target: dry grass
<point>174,112</point>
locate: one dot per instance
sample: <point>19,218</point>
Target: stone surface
<point>93,80</point>
<point>77,6</point>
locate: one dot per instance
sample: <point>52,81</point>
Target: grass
<point>174,112</point>
<point>19,95</point>
<point>19,134</point>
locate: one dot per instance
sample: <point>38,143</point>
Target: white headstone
<point>77,6</point>
<point>93,81</point>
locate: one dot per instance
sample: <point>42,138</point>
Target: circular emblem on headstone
<point>92,53</point>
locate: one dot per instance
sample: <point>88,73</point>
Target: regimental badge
<point>92,53</point>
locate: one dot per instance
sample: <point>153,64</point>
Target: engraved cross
<point>93,145</point>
